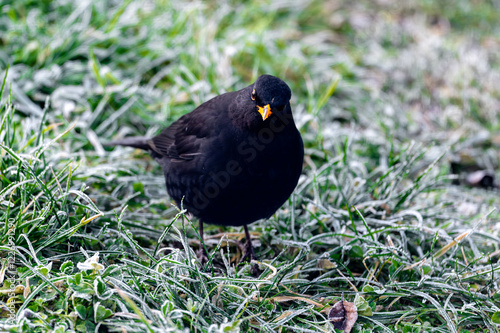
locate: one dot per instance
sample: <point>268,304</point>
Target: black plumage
<point>234,159</point>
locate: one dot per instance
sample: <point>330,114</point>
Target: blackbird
<point>233,160</point>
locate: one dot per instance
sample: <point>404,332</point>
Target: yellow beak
<point>265,111</point>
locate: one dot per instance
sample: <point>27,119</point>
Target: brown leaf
<point>343,316</point>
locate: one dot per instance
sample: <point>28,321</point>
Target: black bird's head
<point>270,94</point>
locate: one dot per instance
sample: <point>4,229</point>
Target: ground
<point>398,105</point>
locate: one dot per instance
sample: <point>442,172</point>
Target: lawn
<point>398,103</point>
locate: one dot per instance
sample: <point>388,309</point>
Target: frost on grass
<point>376,216</point>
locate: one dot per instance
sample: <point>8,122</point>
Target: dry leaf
<point>343,316</point>
<point>326,264</point>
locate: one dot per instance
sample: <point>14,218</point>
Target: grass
<point>387,96</point>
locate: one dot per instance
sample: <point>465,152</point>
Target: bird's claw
<point>248,253</point>
<point>202,255</point>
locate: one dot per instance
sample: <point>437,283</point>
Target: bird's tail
<point>140,142</point>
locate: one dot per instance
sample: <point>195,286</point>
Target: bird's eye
<point>280,108</point>
<point>253,95</point>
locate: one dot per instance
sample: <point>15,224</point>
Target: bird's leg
<point>249,252</point>
<point>202,253</point>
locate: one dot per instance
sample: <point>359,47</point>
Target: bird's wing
<point>182,140</point>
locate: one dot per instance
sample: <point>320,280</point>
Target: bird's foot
<point>249,255</point>
<point>202,255</point>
